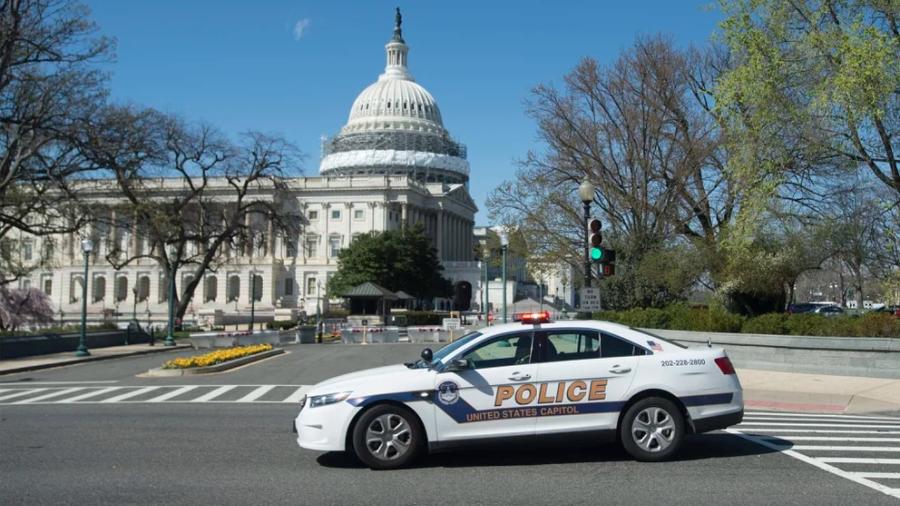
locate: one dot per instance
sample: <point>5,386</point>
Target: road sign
<point>590,299</point>
<point>452,324</point>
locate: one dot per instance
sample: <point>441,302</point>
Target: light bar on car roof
<point>534,318</point>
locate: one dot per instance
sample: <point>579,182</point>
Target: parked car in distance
<point>830,310</point>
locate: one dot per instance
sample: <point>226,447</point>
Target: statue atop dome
<point>398,32</point>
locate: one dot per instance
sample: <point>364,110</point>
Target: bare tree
<point>192,196</point>
<point>48,87</point>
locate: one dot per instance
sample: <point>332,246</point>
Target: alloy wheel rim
<point>653,429</point>
<point>388,437</point>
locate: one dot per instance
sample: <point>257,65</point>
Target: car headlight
<point>323,400</point>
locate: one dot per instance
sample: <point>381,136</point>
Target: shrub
<point>281,325</point>
<point>877,325</point>
<point>771,323</point>
<point>414,318</point>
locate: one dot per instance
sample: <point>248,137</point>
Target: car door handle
<point>519,377</point>
<point>619,370</point>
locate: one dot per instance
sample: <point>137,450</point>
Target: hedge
<point>281,325</point>
<point>717,319</point>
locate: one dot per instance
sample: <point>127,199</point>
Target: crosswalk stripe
<point>826,438</point>
<point>855,460</point>
<point>129,395</point>
<point>215,393</point>
<point>88,395</point>
<point>846,448</point>
<point>297,395</point>
<point>21,393</point>
<point>877,475</point>
<point>847,425</point>
<point>256,393</point>
<point>51,394</point>
<point>173,393</point>
<point>748,414</point>
<point>810,419</point>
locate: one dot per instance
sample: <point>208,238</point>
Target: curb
<point>159,372</point>
<point>92,358</point>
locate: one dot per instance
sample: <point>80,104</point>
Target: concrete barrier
<point>369,335</point>
<point>428,335</point>
<point>230,339</point>
<point>874,357</point>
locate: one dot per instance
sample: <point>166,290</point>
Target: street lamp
<point>487,291</point>
<point>504,245</point>
<point>86,246</point>
<point>252,300</point>
<point>318,311</point>
<point>170,338</point>
<point>586,194</point>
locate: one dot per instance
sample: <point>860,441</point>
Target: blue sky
<point>294,67</point>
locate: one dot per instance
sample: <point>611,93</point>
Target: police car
<point>586,379</point>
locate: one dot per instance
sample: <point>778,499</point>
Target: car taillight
<point>725,365</point>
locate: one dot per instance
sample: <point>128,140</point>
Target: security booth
<point>369,301</point>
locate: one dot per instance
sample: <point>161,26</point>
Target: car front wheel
<point>387,437</point>
<point>652,429</point>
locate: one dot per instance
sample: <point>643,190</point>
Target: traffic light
<point>596,237</point>
<point>609,256</point>
<point>608,269</point>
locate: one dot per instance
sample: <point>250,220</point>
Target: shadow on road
<point>702,447</point>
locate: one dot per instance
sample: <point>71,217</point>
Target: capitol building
<point>392,165</point>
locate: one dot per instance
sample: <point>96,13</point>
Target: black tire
<point>387,427</point>
<point>652,441</point>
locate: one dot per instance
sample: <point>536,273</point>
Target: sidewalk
<point>14,365</point>
<point>818,392</point>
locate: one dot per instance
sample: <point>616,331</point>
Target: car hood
<point>378,378</point>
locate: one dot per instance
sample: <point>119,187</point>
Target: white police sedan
<point>586,379</point>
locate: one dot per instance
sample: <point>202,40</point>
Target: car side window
<point>508,349</point>
<point>571,345</point>
<point>612,346</point>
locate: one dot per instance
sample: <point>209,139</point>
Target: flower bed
<point>216,357</point>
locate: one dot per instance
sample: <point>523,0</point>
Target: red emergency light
<point>534,318</point>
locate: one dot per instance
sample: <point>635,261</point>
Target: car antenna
<point>708,342</point>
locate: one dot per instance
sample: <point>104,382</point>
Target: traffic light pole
<point>587,246</point>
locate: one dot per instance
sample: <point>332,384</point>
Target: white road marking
<point>27,383</point>
<point>801,448</point>
<point>854,460</point>
<point>878,475</point>
<point>256,393</point>
<point>826,438</point>
<point>174,393</point>
<point>215,393</point>
<point>296,396</point>
<point>88,395</point>
<point>51,394</point>
<point>750,414</point>
<point>129,395</point>
<point>847,425</point>
<point>755,430</point>
<point>22,392</point>
<point>821,464</point>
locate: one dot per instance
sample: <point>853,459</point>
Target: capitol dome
<point>395,128</point>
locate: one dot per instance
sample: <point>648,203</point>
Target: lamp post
<point>252,300</point>
<point>86,246</point>
<point>318,311</point>
<point>504,245</point>
<point>170,338</point>
<point>487,290</point>
<point>586,194</point>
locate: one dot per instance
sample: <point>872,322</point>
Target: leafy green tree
<point>395,259</point>
<point>813,90</point>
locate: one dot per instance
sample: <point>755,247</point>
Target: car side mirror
<point>427,355</point>
<point>458,364</point>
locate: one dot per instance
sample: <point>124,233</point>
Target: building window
<point>289,286</point>
<point>310,245</point>
<point>143,288</point>
<point>234,288</point>
<point>257,281</point>
<point>162,289</point>
<point>312,215</point>
<point>121,288</point>
<point>334,246</point>
<point>27,250</point>
<point>99,288</point>
<point>48,286</point>
<point>185,281</point>
<point>358,214</point>
<point>211,289</point>
<point>290,247</point>
<point>310,286</point>
<point>335,214</point>
<point>26,284</point>
<point>75,289</point>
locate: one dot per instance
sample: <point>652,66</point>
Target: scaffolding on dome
<point>401,141</point>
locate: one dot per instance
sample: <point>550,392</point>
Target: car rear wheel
<point>652,429</point>
<point>387,437</point>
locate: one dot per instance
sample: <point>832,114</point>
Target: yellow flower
<point>216,357</point>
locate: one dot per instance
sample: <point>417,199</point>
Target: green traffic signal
<point>596,254</point>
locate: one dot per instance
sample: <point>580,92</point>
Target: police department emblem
<point>448,392</point>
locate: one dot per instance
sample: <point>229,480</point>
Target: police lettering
<point>552,392</point>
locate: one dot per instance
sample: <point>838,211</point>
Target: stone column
<point>439,238</point>
<point>248,241</point>
<point>323,239</point>
<point>270,237</point>
<point>403,215</point>
<point>134,233</point>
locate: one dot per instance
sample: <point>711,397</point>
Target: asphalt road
<point>230,452</point>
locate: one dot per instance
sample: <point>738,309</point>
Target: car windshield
<point>448,349</point>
